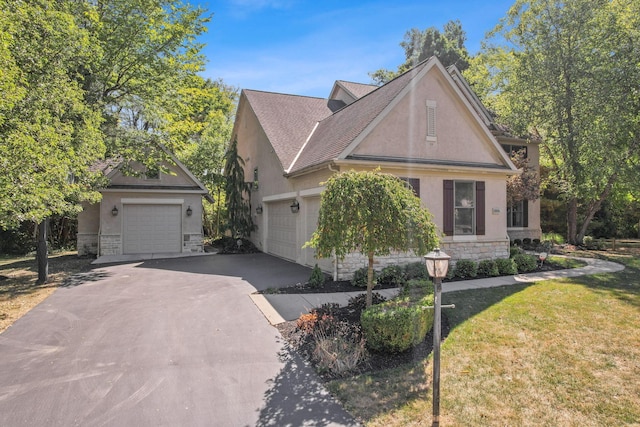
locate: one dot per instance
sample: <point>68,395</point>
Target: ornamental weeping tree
<point>238,209</point>
<point>372,213</point>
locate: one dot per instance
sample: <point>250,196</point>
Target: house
<point>150,212</point>
<point>425,126</point>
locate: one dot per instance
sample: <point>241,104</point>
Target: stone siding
<point>475,251</point>
<point>526,233</point>
<point>87,244</point>
<point>193,243</point>
<point>110,244</point>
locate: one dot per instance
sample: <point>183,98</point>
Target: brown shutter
<point>414,183</point>
<point>525,213</point>
<point>447,204</point>
<point>480,208</point>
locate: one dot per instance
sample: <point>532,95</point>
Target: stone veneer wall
<point>193,243</point>
<point>110,244</point>
<point>87,244</point>
<point>524,234</point>
<point>475,251</point>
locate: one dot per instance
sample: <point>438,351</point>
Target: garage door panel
<point>312,213</point>
<point>281,231</point>
<point>152,229</point>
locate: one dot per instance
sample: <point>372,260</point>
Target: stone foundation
<point>110,244</point>
<point>475,251</point>
<point>192,243</point>
<point>87,244</point>
<point>524,233</point>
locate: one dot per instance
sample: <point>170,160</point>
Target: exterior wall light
<point>295,206</point>
<point>114,211</point>
<point>437,265</point>
<point>259,210</point>
<point>189,211</point>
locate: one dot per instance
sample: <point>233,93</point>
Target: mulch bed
<point>303,344</point>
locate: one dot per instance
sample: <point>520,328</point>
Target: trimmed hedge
<point>525,263</point>
<point>465,268</point>
<point>488,267</point>
<point>506,266</point>
<point>360,278</point>
<point>397,325</point>
<point>391,275</point>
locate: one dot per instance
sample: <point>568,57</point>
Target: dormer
<point>349,92</point>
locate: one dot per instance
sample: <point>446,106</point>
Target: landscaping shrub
<point>517,242</point>
<point>591,243</point>
<point>488,267</point>
<point>506,266</point>
<point>397,325</point>
<point>514,250</point>
<point>339,349</point>
<point>465,268</point>
<point>359,302</point>
<point>391,275</point>
<point>526,242</point>
<point>360,278</point>
<point>416,270</point>
<point>317,277</point>
<point>229,245</point>
<point>525,263</point>
<point>416,289</point>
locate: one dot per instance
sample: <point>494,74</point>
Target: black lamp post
<point>437,265</point>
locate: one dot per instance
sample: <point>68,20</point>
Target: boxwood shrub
<point>416,270</point>
<point>525,263</point>
<point>506,266</point>
<point>397,325</point>
<point>488,267</point>
<point>465,268</point>
<point>391,275</point>
<point>360,278</point>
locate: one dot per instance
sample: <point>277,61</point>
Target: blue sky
<point>302,47</point>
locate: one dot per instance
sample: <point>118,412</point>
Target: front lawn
<point>561,353</point>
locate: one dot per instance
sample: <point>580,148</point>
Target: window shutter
<point>480,208</point>
<point>525,213</point>
<point>447,204</point>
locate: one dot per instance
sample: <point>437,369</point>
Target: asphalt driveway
<point>161,343</point>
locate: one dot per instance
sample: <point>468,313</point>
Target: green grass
<point>565,262</point>
<point>554,353</point>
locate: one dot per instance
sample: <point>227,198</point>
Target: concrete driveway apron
<point>161,343</point>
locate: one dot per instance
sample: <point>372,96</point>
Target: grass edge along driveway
<point>559,352</point>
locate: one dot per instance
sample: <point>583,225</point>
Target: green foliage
<point>555,238</point>
<point>514,250</point>
<point>525,263</point>
<point>239,220</point>
<point>418,46</point>
<point>372,213</point>
<point>391,275</point>
<point>416,270</point>
<point>397,325</point>
<point>229,245</point>
<point>417,288</point>
<point>506,266</point>
<point>359,302</point>
<point>591,243</point>
<point>488,267</point>
<point>465,268</point>
<point>317,278</point>
<point>359,278</point>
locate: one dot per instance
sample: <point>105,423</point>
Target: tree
<point>526,185</point>
<point>568,72</point>
<point>372,213</point>
<point>238,209</point>
<point>418,45</point>
<point>48,135</point>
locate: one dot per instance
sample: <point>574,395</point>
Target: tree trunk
<point>41,252</point>
<point>369,299</point>
<point>572,221</point>
<point>594,207</point>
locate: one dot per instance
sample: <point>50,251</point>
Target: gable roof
<point>306,132</point>
<point>287,120</point>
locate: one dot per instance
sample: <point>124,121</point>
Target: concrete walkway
<point>278,308</point>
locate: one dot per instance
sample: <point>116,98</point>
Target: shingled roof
<point>305,131</point>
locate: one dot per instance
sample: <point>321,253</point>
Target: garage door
<point>312,205</point>
<point>281,231</point>
<point>152,229</point>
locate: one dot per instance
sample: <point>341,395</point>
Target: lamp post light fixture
<point>295,206</point>
<point>114,211</point>
<point>189,211</point>
<point>437,265</point>
<point>259,210</point>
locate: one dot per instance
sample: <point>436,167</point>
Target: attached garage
<point>152,228</point>
<point>281,230</point>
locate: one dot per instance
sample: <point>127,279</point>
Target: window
<point>464,208</point>
<point>431,120</point>
<point>414,184</point>
<point>518,214</point>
